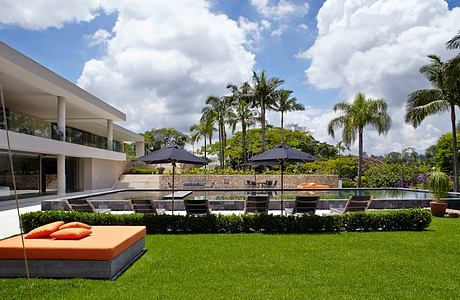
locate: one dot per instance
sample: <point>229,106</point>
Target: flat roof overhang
<point>31,88</point>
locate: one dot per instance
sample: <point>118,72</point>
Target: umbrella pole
<point>172,198</point>
<point>282,188</point>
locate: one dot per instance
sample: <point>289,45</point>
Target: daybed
<point>107,252</point>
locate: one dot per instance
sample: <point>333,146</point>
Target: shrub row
<point>398,220</point>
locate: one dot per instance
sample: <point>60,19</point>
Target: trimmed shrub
<point>398,220</point>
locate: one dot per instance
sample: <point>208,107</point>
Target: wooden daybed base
<point>105,254</point>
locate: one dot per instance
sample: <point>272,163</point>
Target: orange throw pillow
<point>70,234</point>
<point>75,225</point>
<point>44,231</point>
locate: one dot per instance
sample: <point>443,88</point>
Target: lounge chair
<point>197,207</point>
<point>354,204</point>
<point>145,207</point>
<point>256,204</point>
<point>83,205</point>
<point>304,205</point>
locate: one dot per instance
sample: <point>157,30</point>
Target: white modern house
<point>63,138</point>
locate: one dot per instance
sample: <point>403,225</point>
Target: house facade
<point>62,138</point>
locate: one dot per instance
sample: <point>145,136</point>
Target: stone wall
<point>239,181</point>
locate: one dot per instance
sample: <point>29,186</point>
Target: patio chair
<point>256,204</point>
<point>197,207</point>
<point>354,204</point>
<point>145,207</point>
<point>83,205</point>
<point>274,184</point>
<point>304,205</point>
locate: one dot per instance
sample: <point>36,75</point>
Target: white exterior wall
<point>100,173</point>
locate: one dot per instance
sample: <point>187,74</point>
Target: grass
<point>372,265</point>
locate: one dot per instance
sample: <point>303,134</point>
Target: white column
<point>61,174</point>
<point>140,149</point>
<point>61,116</point>
<point>109,134</point>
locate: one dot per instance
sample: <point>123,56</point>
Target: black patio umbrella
<point>282,154</point>
<point>172,154</point>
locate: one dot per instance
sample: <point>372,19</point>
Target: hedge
<point>397,220</point>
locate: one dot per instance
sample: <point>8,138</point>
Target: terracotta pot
<point>438,209</point>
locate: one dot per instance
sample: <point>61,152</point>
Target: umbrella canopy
<point>281,155</point>
<point>172,154</point>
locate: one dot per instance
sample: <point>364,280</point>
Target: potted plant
<point>439,186</point>
<point>160,170</point>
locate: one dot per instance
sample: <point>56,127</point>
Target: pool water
<point>376,194</point>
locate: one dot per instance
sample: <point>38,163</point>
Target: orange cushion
<point>70,234</point>
<point>44,231</point>
<point>75,225</point>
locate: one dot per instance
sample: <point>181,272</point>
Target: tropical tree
<point>243,113</point>
<point>162,137</point>
<point>284,103</point>
<point>354,117</point>
<point>264,94</point>
<point>444,96</point>
<point>199,132</point>
<point>454,43</point>
<point>217,111</point>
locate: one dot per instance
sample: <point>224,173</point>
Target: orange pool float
<point>312,185</point>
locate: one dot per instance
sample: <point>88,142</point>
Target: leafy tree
<point>284,103</point>
<point>443,153</point>
<point>444,96</point>
<point>294,138</point>
<point>357,115</point>
<point>158,138</point>
<point>398,174</point>
<point>264,94</point>
<point>130,150</point>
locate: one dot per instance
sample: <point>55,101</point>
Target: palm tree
<point>357,115</point>
<point>284,104</point>
<point>264,93</point>
<point>454,43</point>
<point>199,131</point>
<point>444,96</point>
<point>217,111</point>
<point>243,113</point>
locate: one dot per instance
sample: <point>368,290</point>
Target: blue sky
<point>153,58</point>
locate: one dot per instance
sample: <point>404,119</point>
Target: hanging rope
<point>5,124</point>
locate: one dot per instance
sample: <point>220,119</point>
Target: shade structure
<point>172,154</point>
<point>282,155</point>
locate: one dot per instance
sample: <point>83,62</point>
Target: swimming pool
<point>220,199</point>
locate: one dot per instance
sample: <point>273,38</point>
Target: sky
<point>157,60</point>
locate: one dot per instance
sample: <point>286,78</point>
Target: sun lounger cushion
<point>44,231</point>
<point>75,225</point>
<point>70,234</point>
<point>105,243</point>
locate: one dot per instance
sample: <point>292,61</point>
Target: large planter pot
<point>438,209</point>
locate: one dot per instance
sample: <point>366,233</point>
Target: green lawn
<point>419,265</point>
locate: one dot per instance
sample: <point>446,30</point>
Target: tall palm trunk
<point>205,146</point>
<point>282,126</point>
<point>243,140</point>
<point>360,156</point>
<point>454,146</point>
<point>262,121</point>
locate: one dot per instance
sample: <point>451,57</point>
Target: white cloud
<point>37,15</point>
<point>100,37</point>
<point>283,9</point>
<point>279,31</point>
<point>377,47</point>
<point>165,58</point>
<point>253,31</point>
